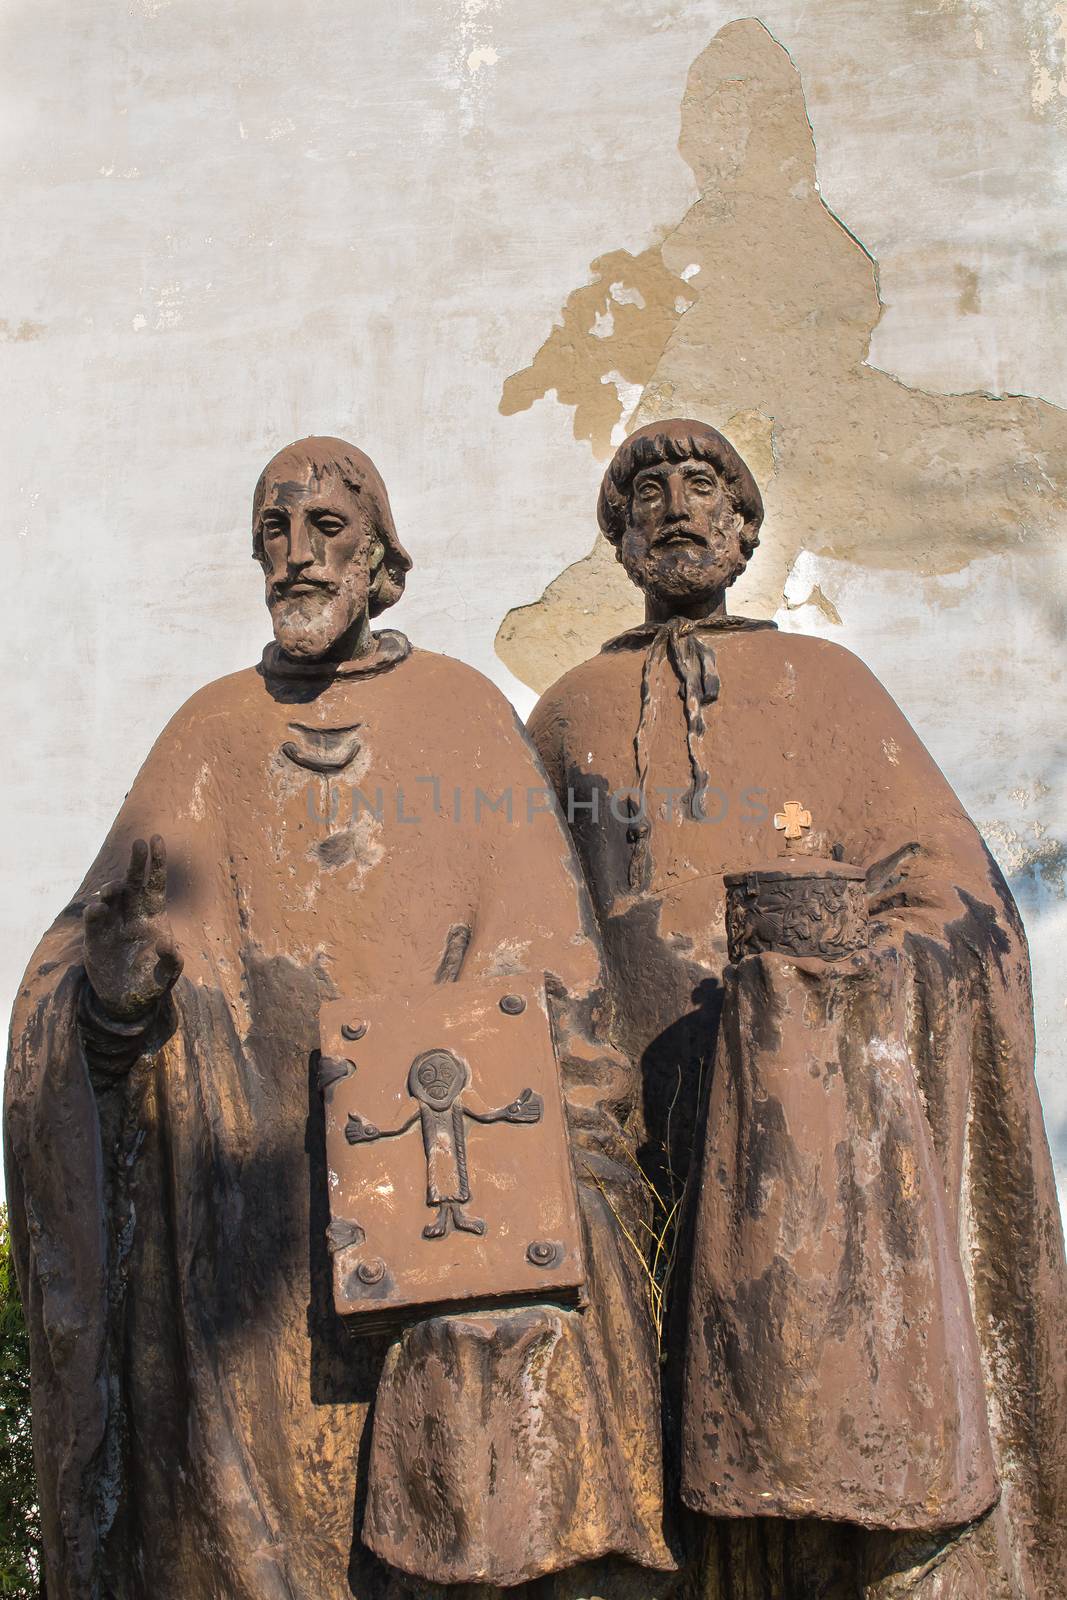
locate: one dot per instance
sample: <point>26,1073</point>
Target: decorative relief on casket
<point>448,1163</point>
<point>802,907</point>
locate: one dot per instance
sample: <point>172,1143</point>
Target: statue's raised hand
<point>131,959</point>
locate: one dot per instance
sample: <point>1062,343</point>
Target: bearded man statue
<point>202,1416</point>
<point>824,977</point>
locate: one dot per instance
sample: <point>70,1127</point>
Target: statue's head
<point>323,533</point>
<point>682,510</point>
<point>436,1078</point>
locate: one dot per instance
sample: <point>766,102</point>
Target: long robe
<point>828,1230</point>
<point>201,1417</point>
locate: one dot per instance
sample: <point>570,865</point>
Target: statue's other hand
<point>357,1131</point>
<point>131,959</point>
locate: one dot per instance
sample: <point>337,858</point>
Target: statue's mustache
<point>680,530</point>
<point>301,584</point>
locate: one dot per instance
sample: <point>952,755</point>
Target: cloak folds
<point>202,1419</point>
<point>872,1340</point>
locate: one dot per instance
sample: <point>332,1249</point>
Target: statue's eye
<point>703,484</point>
<point>649,490</point>
<point>329,525</point>
<point>272,527</point>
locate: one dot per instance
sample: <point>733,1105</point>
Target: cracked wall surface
<point>252,222</point>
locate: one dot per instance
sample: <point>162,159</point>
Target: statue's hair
<point>358,474</point>
<point>679,439</point>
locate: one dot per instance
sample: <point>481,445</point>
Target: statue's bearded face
<point>682,539</point>
<point>319,556</point>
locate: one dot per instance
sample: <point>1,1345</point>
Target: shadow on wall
<point>755,314</point>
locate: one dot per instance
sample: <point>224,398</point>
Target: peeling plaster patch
<point>590,370</point>
<point>1030,796</point>
<point>629,398</point>
<point>473,50</point>
<point>23,334</point>
<point>1045,859</point>
<point>753,435</point>
<point>591,599</point>
<point>33,495</point>
<point>783,303</point>
<point>169,306</point>
<point>484,56</point>
<point>821,602</point>
<point>627,295</point>
<point>1048,60</point>
<point>970,300</point>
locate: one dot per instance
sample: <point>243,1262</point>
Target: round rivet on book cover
<point>803,906</point>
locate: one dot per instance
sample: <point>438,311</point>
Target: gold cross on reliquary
<point>793,819</point>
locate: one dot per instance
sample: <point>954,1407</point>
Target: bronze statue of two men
<point>821,1350</point>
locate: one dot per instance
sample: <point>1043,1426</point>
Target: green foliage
<point>20,1528</point>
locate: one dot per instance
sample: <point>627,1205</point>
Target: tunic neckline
<point>645,632</point>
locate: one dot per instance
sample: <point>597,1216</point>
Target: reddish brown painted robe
<point>877,1304</point>
<point>201,1419</point>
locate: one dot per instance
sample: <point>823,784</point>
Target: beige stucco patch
<point>854,464</point>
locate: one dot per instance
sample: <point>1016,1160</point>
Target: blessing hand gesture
<point>131,959</point>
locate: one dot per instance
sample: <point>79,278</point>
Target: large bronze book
<point>449,1169</point>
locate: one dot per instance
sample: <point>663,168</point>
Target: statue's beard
<point>687,572</point>
<point>308,625</point>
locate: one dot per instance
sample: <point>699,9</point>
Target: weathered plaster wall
<point>237,224</point>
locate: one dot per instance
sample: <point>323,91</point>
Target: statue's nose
<point>301,553</point>
<point>677,500</point>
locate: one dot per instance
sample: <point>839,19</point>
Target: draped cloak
<point>202,1421</point>
<point>930,1167</point>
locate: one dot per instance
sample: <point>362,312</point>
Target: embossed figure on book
<point>436,1080</point>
